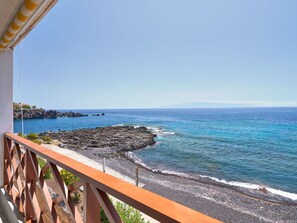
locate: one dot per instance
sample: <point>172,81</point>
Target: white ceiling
<point>8,9</point>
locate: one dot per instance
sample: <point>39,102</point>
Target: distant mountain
<point>209,105</point>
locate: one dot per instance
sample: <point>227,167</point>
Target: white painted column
<point>6,102</point>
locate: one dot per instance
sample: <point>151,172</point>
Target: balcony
<point>24,182</point>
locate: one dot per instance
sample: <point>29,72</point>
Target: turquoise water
<point>250,146</point>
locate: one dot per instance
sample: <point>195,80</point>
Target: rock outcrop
<point>42,113</point>
<point>105,141</point>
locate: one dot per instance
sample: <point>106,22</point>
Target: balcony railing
<point>25,182</point>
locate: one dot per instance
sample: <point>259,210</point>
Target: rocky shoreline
<point>104,141</point>
<point>221,202</point>
<point>42,114</point>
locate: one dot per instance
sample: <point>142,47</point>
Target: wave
<point>118,125</point>
<point>281,193</point>
<point>155,129</point>
<point>159,130</point>
<point>241,185</point>
<point>137,160</point>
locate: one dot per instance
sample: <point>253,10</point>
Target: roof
<point>18,18</point>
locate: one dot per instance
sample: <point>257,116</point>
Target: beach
<point>219,202</point>
<point>224,202</point>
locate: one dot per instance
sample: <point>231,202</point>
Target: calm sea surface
<point>246,145</point>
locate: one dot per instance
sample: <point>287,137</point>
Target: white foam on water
<point>285,194</point>
<point>156,130</point>
<point>118,125</point>
<point>159,130</point>
<point>168,133</point>
<point>175,173</point>
<point>250,186</point>
<point>137,160</point>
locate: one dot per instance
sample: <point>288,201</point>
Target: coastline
<point>248,189</point>
<point>215,200</point>
<point>222,201</point>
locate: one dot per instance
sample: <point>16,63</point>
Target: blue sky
<point>151,53</point>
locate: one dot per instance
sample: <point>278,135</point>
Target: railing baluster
<point>107,205</point>
<point>7,166</point>
<point>47,197</point>
<point>29,178</point>
<point>26,184</point>
<point>63,192</point>
<point>29,210</point>
<point>7,148</point>
<point>91,205</point>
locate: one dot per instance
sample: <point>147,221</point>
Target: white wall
<point>6,102</point>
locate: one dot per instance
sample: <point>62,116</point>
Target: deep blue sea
<point>246,147</point>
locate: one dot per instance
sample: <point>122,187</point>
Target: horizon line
<point>167,108</point>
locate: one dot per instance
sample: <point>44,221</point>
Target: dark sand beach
<point>217,201</point>
<point>226,203</point>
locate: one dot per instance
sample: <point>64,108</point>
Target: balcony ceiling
<point>15,13</point>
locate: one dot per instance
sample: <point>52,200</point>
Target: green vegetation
<point>70,178</point>
<point>32,136</point>
<point>48,174</point>
<point>21,135</point>
<point>103,216</point>
<point>47,139</point>
<point>37,141</point>
<point>25,106</point>
<point>127,213</point>
<point>17,106</point>
<point>35,138</point>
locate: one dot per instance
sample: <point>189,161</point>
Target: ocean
<point>243,147</point>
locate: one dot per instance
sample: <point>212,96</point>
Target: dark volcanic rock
<point>106,141</point>
<point>41,113</point>
<point>70,114</point>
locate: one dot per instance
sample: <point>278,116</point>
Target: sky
<point>152,53</point>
